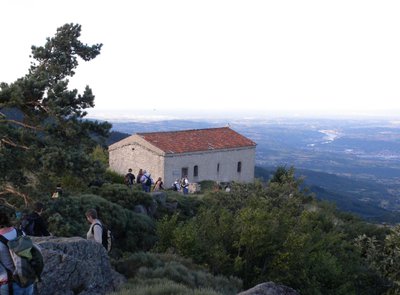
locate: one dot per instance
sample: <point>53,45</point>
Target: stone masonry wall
<point>136,154</point>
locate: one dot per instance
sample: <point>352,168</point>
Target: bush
<point>124,196</point>
<point>113,177</point>
<point>162,287</point>
<point>149,266</point>
<point>188,206</point>
<point>207,185</point>
<point>132,232</point>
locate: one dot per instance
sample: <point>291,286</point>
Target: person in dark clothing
<point>129,178</point>
<point>34,224</point>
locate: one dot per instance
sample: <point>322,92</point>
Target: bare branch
<point>7,203</point>
<point>8,189</point>
<point>9,142</point>
<point>21,124</point>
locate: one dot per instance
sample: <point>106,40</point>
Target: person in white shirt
<point>185,185</point>
<point>95,232</point>
<point>146,181</point>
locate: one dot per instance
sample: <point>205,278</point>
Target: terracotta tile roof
<point>197,140</point>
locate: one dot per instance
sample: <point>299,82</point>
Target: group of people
<point>145,180</point>
<point>31,224</point>
<point>181,185</point>
<point>148,184</point>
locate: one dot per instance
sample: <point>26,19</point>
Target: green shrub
<point>207,185</point>
<point>129,266</point>
<point>188,206</point>
<point>132,232</point>
<point>113,177</point>
<point>150,266</point>
<point>124,196</point>
<point>162,287</point>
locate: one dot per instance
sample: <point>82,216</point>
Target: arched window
<point>196,171</point>
<point>239,167</point>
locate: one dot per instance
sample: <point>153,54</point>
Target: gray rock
<point>76,266</point>
<point>160,197</point>
<point>269,288</point>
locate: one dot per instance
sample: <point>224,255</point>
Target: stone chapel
<point>218,154</point>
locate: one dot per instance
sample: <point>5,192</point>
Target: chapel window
<point>239,167</point>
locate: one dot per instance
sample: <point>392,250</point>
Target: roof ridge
<point>193,140</point>
<point>186,130</point>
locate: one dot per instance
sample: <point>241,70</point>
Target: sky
<point>213,58</point>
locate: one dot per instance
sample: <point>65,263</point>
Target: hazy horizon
<point>204,114</point>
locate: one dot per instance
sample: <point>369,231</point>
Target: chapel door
<point>185,171</point>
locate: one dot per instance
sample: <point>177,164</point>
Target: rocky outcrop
<point>76,266</point>
<point>159,200</point>
<point>269,288</point>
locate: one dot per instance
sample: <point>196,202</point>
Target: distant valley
<point>354,163</point>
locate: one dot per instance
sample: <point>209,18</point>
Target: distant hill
<point>116,136</point>
<point>356,196</point>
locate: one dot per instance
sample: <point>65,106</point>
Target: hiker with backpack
<point>129,178</point>
<point>95,232</point>
<point>146,181</point>
<point>33,224</point>
<point>21,261</point>
<point>98,231</point>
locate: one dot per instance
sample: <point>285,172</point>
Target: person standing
<point>176,185</point>
<point>158,185</point>
<point>34,224</point>
<point>185,185</point>
<point>129,178</point>
<point>95,232</point>
<point>7,265</point>
<point>146,181</point>
<point>139,176</point>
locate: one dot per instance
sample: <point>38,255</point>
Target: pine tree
<point>43,133</point>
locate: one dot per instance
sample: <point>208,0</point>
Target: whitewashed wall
<point>207,163</point>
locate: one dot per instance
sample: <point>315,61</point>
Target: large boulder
<point>269,288</point>
<point>75,266</point>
